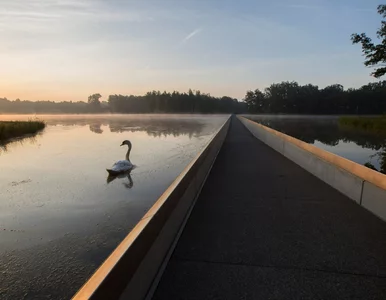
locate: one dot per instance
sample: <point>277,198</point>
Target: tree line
<point>151,102</point>
<point>176,102</point>
<point>293,98</point>
<point>285,97</point>
<point>43,107</point>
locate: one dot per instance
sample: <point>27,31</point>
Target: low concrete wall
<point>129,272</point>
<point>363,185</point>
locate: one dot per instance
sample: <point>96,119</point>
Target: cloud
<point>75,11</point>
<point>28,14</point>
<point>192,34</point>
<point>301,6</point>
<point>319,7</point>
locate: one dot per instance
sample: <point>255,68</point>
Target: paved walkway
<point>263,228</point>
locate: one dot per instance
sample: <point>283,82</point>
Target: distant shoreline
<point>101,113</point>
<point>186,113</point>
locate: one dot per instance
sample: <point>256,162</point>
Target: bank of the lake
<point>16,129</point>
<point>372,125</point>
<point>359,143</point>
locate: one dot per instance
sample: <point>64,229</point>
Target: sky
<point>68,49</point>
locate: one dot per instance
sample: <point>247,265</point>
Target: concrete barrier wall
<point>130,271</point>
<point>361,184</point>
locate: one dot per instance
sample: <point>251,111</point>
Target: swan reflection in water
<point>122,168</point>
<point>127,175</point>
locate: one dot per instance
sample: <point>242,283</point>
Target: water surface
<point>325,133</point>
<point>60,216</point>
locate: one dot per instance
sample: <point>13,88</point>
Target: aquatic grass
<point>373,125</point>
<point>16,129</point>
<point>370,126</point>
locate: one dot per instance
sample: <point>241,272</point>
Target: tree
<point>256,101</point>
<point>293,98</point>
<point>375,54</point>
<point>94,102</point>
<point>94,99</point>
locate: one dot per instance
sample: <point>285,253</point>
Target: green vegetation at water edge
<point>371,126</point>
<point>14,129</point>
<point>374,125</point>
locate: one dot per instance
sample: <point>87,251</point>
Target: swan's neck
<point>128,153</point>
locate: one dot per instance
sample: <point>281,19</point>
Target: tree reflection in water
<point>153,126</point>
<point>31,139</point>
<point>96,128</point>
<point>327,130</point>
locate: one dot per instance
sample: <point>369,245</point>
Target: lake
<point>324,132</point>
<point>60,215</point>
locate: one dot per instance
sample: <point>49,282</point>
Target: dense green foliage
<point>292,98</point>
<point>376,125</point>
<point>152,102</point>
<point>375,54</point>
<point>13,129</point>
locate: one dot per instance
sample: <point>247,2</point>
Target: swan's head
<point>126,142</point>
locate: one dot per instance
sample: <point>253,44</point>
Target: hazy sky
<point>68,49</point>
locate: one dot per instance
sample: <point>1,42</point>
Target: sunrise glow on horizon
<point>66,50</point>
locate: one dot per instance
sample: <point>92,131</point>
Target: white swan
<point>122,166</point>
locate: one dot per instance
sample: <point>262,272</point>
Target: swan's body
<point>119,167</point>
<point>122,166</point>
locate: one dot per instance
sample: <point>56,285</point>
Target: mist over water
<point>60,215</point>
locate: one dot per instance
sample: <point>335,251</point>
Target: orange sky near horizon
<point>65,50</point>
<point>64,92</point>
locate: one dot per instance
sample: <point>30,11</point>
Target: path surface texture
<point>264,228</point>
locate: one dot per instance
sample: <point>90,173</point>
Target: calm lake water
<point>59,215</point>
<point>324,132</point>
